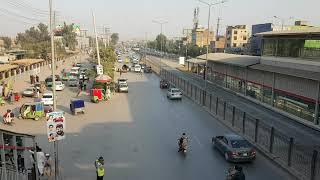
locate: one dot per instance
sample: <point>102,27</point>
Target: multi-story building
<point>237,37</point>
<point>285,78</point>
<point>219,44</point>
<point>199,37</point>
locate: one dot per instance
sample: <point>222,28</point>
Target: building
<point>236,37</point>
<point>285,78</point>
<point>199,37</point>
<point>255,41</point>
<point>219,44</point>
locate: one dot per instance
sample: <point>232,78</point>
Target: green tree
<point>36,41</point>
<point>114,38</point>
<point>7,42</point>
<point>69,37</point>
<point>107,58</point>
<point>161,38</point>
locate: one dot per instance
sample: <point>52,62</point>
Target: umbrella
<point>103,78</point>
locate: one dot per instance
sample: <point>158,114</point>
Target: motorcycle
<point>8,117</point>
<point>231,173</point>
<point>183,146</point>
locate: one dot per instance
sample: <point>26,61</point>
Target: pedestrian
<point>37,78</point>
<point>84,86</point>
<point>31,79</point>
<point>81,85</point>
<point>48,166</point>
<point>120,72</point>
<point>108,93</point>
<point>99,165</point>
<point>38,92</point>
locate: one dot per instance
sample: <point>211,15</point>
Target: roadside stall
<point>100,86</point>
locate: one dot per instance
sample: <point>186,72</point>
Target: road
<point>302,134</point>
<point>137,135</point>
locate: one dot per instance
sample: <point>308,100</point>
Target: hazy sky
<point>133,18</point>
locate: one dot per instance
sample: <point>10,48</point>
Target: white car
<point>137,68</point>
<point>59,86</point>
<point>73,81</point>
<point>120,60</point>
<point>83,76</point>
<point>75,71</point>
<point>29,92</point>
<point>47,98</point>
<point>123,87</point>
<point>174,93</point>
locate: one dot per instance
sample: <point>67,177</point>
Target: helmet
<point>47,155</point>
<point>101,158</point>
<point>183,134</point>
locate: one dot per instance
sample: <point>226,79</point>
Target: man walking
<point>99,164</point>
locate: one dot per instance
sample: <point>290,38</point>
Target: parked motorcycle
<point>183,146</point>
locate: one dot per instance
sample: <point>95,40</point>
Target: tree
<point>161,39</point>
<point>107,58</point>
<point>36,41</point>
<point>7,42</point>
<point>69,37</point>
<point>114,38</point>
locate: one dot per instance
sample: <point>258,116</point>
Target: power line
<point>17,20</point>
<point>23,4</point>
<point>18,15</point>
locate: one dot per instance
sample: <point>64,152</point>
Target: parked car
<point>59,86</point>
<point>120,60</point>
<point>164,84</point>
<point>47,98</point>
<point>29,92</point>
<point>48,80</point>
<point>122,81</point>
<point>123,87</point>
<point>234,148</point>
<point>79,65</point>
<point>174,93</point>
<point>73,81</point>
<point>83,76</point>
<point>137,68</point>
<point>74,71</point>
<point>147,69</point>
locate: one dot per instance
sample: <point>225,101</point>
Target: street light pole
<point>161,41</point>
<point>209,14</point>
<point>96,35</point>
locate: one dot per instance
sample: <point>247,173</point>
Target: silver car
<point>174,93</point>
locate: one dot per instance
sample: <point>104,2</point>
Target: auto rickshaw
<point>76,106</point>
<point>33,110</point>
<point>97,95</point>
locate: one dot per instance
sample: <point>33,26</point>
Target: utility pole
<point>55,145</point>
<point>218,26</point>
<point>161,40</point>
<point>95,32</point>
<point>209,15</point>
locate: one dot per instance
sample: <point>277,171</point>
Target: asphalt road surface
<point>302,134</point>
<point>137,135</point>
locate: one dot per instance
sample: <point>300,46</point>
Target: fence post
<point>233,115</point>
<point>224,110</point>
<point>204,98</point>
<point>217,103</point>
<point>290,151</point>
<point>210,102</point>
<point>314,164</point>
<point>271,140</point>
<point>244,123</point>
<point>256,131</point>
<point>191,90</point>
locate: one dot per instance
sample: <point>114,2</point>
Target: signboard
<point>312,44</point>
<point>181,60</point>
<point>55,126</point>
<point>99,69</point>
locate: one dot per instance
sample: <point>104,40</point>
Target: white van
<point>74,71</point>
<point>137,68</point>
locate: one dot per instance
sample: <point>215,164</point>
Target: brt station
<point>16,157</point>
<point>285,77</point>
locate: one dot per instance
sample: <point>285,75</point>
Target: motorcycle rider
<point>235,173</point>
<point>8,117</point>
<point>182,141</point>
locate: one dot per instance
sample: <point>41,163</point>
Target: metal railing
<point>10,174</point>
<point>300,160</point>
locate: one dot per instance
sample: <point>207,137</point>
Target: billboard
<point>55,126</point>
<point>314,44</point>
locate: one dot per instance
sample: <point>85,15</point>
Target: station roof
<point>315,31</point>
<point>26,62</point>
<point>288,71</point>
<point>232,59</point>
<point>197,61</point>
<point>6,67</point>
